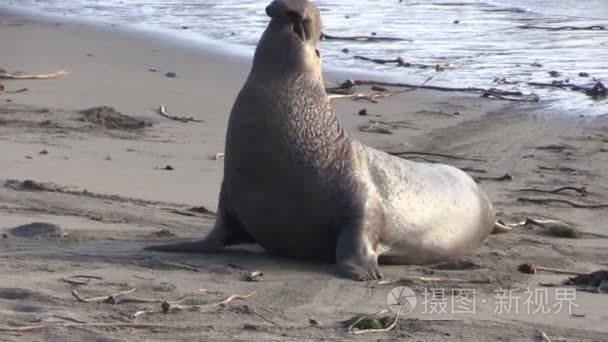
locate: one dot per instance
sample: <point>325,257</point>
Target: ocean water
<point>476,40</point>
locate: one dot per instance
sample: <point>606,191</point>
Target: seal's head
<point>289,44</point>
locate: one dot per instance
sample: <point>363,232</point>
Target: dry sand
<point>101,194</point>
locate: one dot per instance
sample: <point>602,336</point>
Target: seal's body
<point>297,184</point>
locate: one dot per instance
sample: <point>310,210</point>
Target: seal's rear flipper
<point>225,232</point>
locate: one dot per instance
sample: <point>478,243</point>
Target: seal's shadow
<point>246,257</point>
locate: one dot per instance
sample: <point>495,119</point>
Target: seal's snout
<point>293,12</point>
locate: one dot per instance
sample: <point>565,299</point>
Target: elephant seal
<point>296,183</point>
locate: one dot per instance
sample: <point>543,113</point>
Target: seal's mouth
<point>298,28</point>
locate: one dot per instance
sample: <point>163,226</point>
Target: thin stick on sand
<point>9,76</point>
<point>539,222</point>
<point>500,228</point>
<point>544,337</point>
<point>407,280</point>
<point>505,177</point>
<point>431,154</point>
<point>570,203</point>
<point>70,279</point>
<point>80,325</point>
<point>530,268</point>
<point>169,306</point>
<point>163,112</point>
<point>410,279</point>
<point>371,97</point>
<point>362,38</point>
<point>351,328</point>
<point>582,190</point>
<point>102,299</point>
<point>254,312</point>
<point>349,86</point>
<point>22,90</point>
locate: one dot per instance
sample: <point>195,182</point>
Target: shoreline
<point>109,196</point>
<point>561,101</point>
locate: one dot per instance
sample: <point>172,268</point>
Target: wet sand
<point>108,193</point>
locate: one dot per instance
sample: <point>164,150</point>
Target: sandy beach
<point>100,190</point>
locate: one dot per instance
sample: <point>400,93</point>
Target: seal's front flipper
<point>225,232</point>
<point>355,255</point>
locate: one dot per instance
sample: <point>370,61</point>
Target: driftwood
<point>372,38</point>
<point>544,337</point>
<point>399,61</point>
<point>111,299</point>
<point>162,111</point>
<point>537,222</point>
<point>582,190</point>
<point>172,306</point>
<point>22,90</point>
<point>367,97</point>
<point>14,76</point>
<point>349,86</point>
<point>564,28</point>
<point>570,203</point>
<point>597,91</point>
<point>72,281</point>
<point>505,177</point>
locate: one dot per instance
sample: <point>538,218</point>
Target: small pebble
<point>345,50</point>
<point>456,113</point>
<point>153,70</point>
<point>28,157</point>
<point>168,168</point>
<point>373,33</point>
<point>108,158</point>
<point>184,27</point>
<point>254,276</point>
<point>363,112</point>
<point>456,21</point>
<point>43,152</point>
<point>313,321</point>
<point>347,16</point>
<point>583,74</point>
<point>536,64</point>
<point>171,74</point>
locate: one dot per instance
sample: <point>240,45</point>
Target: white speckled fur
<point>433,211</point>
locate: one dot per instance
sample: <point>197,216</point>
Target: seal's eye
<point>318,53</point>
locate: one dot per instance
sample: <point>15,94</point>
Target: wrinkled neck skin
<point>287,76</point>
